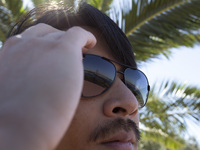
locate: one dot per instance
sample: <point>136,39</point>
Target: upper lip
<point>120,136</point>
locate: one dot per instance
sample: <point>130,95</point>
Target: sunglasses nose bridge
<point>121,76</point>
<point>119,72</point>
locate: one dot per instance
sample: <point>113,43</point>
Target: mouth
<point>120,141</point>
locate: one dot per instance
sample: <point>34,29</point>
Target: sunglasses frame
<point>116,71</point>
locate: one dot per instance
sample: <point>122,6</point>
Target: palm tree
<point>166,113</point>
<point>153,28</point>
<point>10,11</point>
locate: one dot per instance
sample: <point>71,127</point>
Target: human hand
<point>41,77</point>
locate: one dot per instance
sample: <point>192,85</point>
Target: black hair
<point>63,18</point>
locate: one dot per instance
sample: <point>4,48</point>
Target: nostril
<point>118,109</point>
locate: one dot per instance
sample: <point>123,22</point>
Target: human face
<point>105,122</point>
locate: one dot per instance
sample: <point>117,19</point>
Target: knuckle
<point>12,40</point>
<point>75,29</point>
<point>42,25</point>
<point>76,33</point>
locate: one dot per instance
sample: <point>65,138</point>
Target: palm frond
<point>38,2</point>
<point>153,27</point>
<point>10,11</point>
<point>54,2</point>
<point>102,5</point>
<point>169,106</point>
<point>161,138</point>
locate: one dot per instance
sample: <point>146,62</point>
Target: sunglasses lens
<point>98,75</point>
<point>137,82</point>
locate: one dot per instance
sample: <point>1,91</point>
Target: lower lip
<point>119,145</point>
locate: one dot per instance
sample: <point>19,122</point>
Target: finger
<point>80,37</point>
<point>55,35</point>
<point>39,30</point>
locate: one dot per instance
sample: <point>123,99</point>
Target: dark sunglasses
<point>100,73</point>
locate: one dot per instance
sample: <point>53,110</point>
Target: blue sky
<point>182,67</point>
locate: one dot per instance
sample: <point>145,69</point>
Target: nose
<point>120,101</point>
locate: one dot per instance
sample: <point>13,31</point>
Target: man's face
<point>105,122</point>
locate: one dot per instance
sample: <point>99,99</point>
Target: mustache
<point>114,126</point>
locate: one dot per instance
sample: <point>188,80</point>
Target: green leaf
<point>168,107</point>
<point>154,27</point>
<point>162,138</point>
<point>10,11</point>
<point>103,5</point>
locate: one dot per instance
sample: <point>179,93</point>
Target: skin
<point>85,122</point>
<point>44,105</point>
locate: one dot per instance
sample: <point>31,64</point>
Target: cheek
<point>86,119</point>
<point>136,119</point>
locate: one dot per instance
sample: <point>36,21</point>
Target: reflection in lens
<point>99,75</point>
<point>91,89</point>
<point>137,82</point>
<point>137,93</point>
<point>97,79</point>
